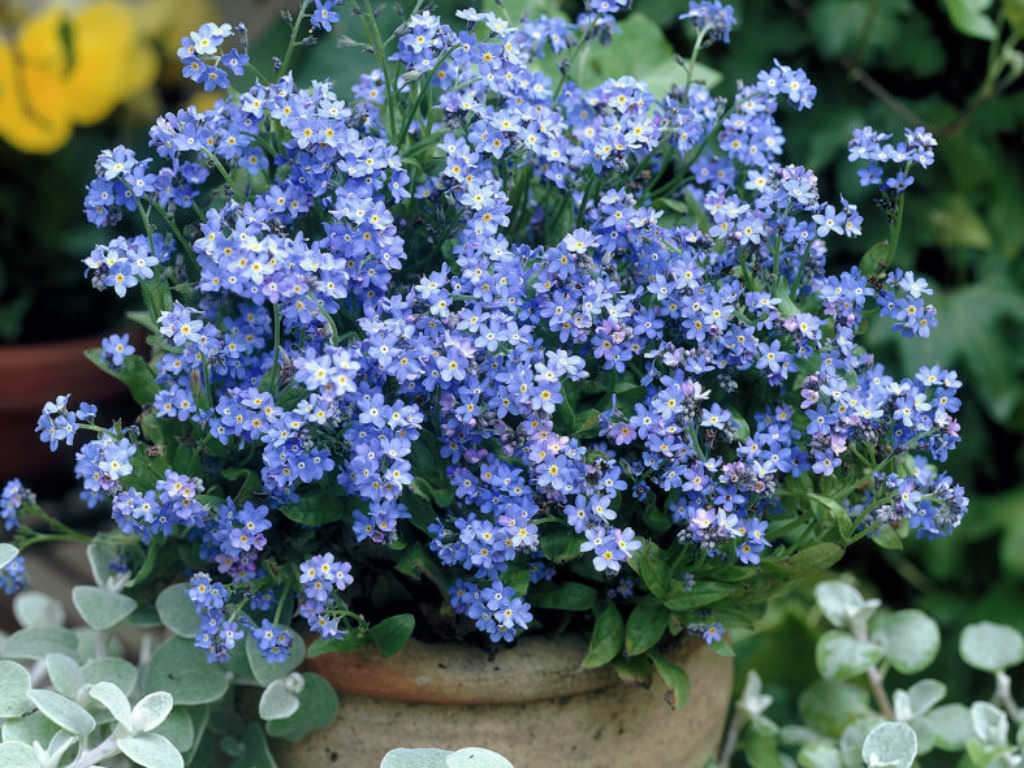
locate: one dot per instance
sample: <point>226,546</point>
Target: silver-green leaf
<point>909,639</point>
<point>102,609</point>
<point>15,683</point>
<point>277,702</point>
<point>991,647</point>
<point>37,609</point>
<point>839,655</point>
<point>177,612</point>
<point>113,698</point>
<point>150,750</point>
<point>15,755</point>
<point>150,711</point>
<point>890,744</point>
<point>415,758</point>
<point>64,712</point>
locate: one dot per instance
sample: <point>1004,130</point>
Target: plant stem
<point>290,50</point>
<point>739,719</point>
<point>276,367</point>
<point>875,679</point>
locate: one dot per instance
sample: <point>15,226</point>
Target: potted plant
<point>75,79</point>
<point>490,364</point>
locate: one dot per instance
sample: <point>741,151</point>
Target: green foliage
<point>852,718</point>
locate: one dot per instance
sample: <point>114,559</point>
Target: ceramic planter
<point>31,374</point>
<point>531,703</point>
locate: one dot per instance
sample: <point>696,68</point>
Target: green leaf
<point>150,750</point>
<point>277,702</point>
<point>674,677</point>
<point>890,744</point>
<point>15,755</point>
<point>150,711</point>
<point>318,706</point>
<point>353,640</point>
<point>634,670</point>
<point>643,51</point>
<point>15,683</point>
<point>951,726</point>
<point>102,609</point>
<point>970,18</point>
<point>839,655</point>
<point>36,609</point>
<point>176,610</point>
<point>990,647</point>
<point>842,604</point>
<point>910,639</point>
<point>828,706</point>
<point>265,672</point>
<point>391,634</point>
<point>7,554</point>
<point>561,546</point>
<point>120,672</point>
<point>645,627</point>
<point>702,593</point>
<point>34,727</point>
<point>924,695</point>
<point>819,754</point>
<point>178,729</point>
<point>417,562</point>
<point>135,373</point>
<point>875,259</point>
<point>255,749</point>
<point>990,724</point>
<point>567,596</point>
<point>181,669</point>
<point>316,511</point>
<point>651,566</point>
<point>817,557</point>
<point>607,638</point>
<point>116,703</point>
<point>64,712</point>
<point>35,643</point>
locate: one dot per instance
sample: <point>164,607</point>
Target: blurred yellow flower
<point>63,66</point>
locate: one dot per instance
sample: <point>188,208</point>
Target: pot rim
<point>534,668</point>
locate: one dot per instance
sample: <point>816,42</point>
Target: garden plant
<point>503,343</point>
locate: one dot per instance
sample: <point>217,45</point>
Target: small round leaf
<point>840,655</point>
<point>181,669</point>
<point>991,647</point>
<point>318,706</point>
<point>102,609</point>
<point>277,702</point>
<point>37,609</point>
<point>176,610</point>
<point>838,601</point>
<point>150,711</point>
<point>890,744</point>
<point>120,672</point>
<point>15,683</point>
<point>15,755</point>
<point>65,674</point>
<point>909,639</point>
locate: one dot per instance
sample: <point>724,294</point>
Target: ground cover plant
<point>495,346</point>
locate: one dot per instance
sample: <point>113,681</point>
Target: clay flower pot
<point>531,703</point>
<point>31,374</point>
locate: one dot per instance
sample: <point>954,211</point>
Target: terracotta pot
<point>531,703</point>
<point>31,374</point>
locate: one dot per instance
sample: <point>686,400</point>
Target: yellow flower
<point>33,118</point>
<point>112,61</point>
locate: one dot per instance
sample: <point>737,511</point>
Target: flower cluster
<point>867,144</point>
<point>499,331</point>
